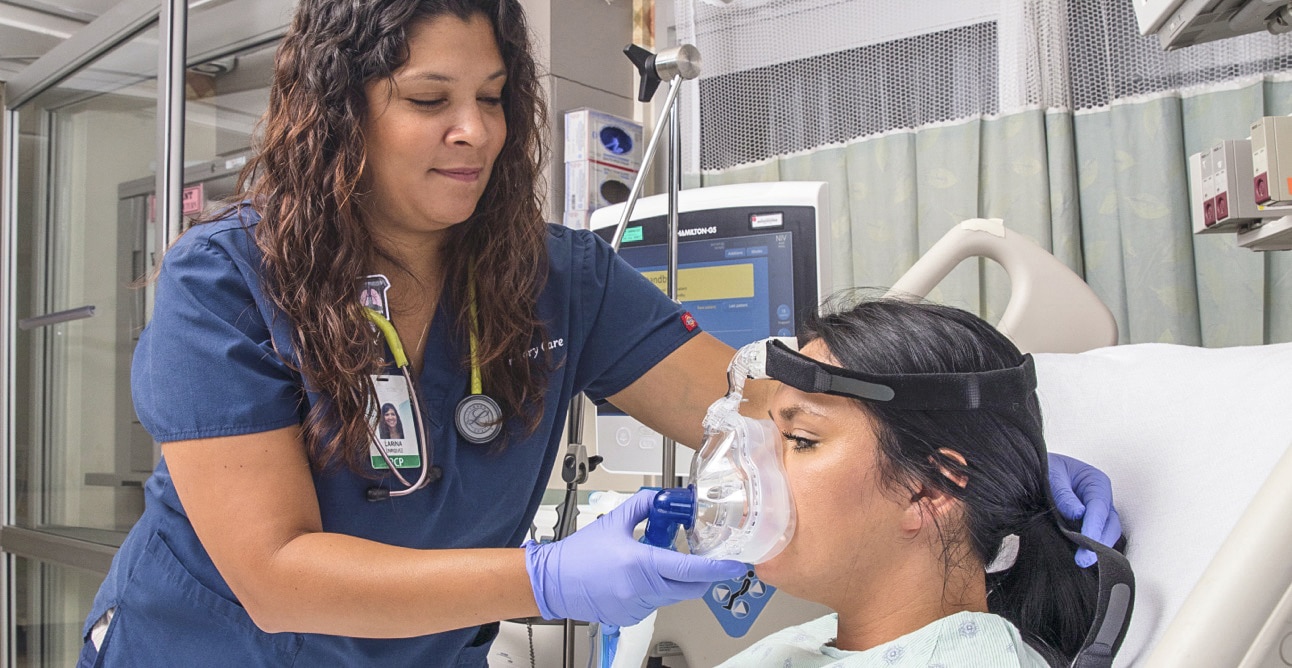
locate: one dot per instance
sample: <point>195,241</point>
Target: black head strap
<point>1113,609</point>
<point>1001,388</point>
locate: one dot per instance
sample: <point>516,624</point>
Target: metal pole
<point>171,60</point>
<point>669,466</point>
<point>682,63</point>
<point>669,102</point>
<point>575,426</point>
<point>567,651</point>
<point>8,279</point>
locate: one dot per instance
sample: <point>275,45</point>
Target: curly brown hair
<point>305,182</point>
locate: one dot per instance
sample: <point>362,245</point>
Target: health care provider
<point>395,182</point>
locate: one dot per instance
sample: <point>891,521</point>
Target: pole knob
<point>679,61</point>
<point>683,61</point>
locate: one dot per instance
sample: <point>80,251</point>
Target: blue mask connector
<point>671,508</point>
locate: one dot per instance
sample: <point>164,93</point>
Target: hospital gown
<point>963,640</point>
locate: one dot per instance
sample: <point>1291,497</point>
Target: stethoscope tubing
<point>401,360</point>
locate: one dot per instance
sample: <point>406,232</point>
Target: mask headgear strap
<point>1000,388</point>
<point>1112,610</point>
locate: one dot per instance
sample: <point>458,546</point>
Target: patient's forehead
<point>817,350</point>
<point>789,401</point>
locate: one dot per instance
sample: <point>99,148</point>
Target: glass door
<point>77,308</point>
<point>81,218</point>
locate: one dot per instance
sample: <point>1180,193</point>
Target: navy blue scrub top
<point>206,366</point>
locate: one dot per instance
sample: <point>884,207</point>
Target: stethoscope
<point>477,417</point>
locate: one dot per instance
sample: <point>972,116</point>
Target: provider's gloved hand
<point>602,574</point>
<point>1083,492</point>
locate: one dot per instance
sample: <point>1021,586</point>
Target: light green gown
<point>963,640</point>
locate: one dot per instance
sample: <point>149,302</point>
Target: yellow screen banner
<point>733,281</point>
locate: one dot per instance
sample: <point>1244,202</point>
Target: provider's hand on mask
<point>602,574</point>
<point>1083,492</point>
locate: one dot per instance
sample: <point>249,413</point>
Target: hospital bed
<point>1195,440</point>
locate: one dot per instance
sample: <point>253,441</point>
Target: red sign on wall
<point>194,200</point>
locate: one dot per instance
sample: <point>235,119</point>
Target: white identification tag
<point>393,424</point>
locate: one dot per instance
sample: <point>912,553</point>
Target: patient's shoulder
<point>978,639</point>
<point>800,646</point>
<point>962,639</point>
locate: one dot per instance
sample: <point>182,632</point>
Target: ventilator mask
<point>743,508</point>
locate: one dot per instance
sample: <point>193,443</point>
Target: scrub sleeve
<point>209,364</point>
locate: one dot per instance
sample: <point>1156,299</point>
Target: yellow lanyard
<point>477,385</point>
<point>397,347</point>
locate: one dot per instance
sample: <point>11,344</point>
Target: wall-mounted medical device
<point>752,259</point>
<point>1272,160</point>
<point>1225,197</point>
<point>1269,235</point>
<point>1180,23</point>
<point>1230,188</point>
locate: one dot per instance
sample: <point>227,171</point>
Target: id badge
<point>393,425</point>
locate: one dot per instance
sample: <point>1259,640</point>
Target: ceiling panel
<point>83,10</point>
<point>29,28</point>
<point>20,47</point>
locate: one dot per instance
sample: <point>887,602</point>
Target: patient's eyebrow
<point>790,412</point>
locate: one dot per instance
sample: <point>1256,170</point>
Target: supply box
<point>591,185</point>
<point>604,138</point>
<point>603,154</point>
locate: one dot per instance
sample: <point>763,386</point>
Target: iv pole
<point>676,64</point>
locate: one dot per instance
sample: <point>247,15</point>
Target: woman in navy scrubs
<point>402,140</point>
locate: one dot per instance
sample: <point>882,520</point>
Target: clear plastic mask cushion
<point>744,510</point>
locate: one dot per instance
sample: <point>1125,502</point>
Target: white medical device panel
<point>1180,23</point>
<point>1272,160</point>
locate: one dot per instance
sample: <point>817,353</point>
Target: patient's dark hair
<point>1044,594</point>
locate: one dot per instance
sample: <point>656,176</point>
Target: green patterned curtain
<point>1105,190</point>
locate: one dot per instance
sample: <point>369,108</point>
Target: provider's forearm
<point>341,585</point>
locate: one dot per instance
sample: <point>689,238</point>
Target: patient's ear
<point>930,503</point>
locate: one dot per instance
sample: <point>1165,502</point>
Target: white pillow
<point>1187,435</point>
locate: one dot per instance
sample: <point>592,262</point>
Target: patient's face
<point>846,528</point>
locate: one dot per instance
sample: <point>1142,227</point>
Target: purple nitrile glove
<point>1083,492</point>
<point>600,573</point>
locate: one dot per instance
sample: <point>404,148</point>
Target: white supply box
<point>604,138</point>
<point>590,185</point>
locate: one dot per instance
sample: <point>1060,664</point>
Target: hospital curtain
<point>1101,185</point>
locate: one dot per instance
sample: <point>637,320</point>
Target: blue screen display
<point>739,289</point>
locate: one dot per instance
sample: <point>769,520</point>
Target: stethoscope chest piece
<point>478,418</point>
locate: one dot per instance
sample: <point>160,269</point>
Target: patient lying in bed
<point>900,511</point>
